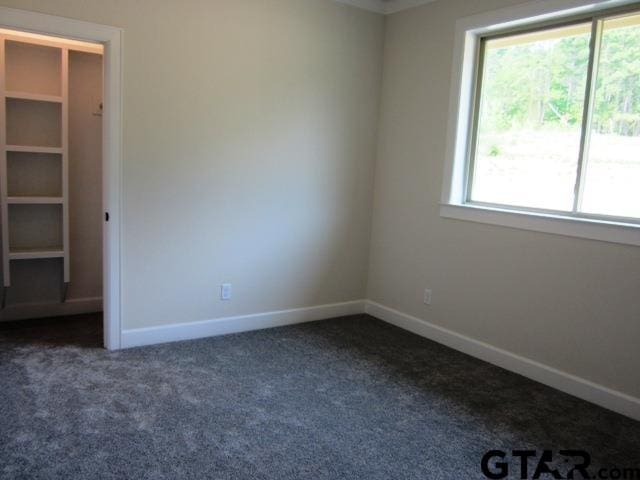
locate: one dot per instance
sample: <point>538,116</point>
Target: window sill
<point>624,233</point>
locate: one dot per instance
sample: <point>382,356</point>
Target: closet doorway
<point>59,169</point>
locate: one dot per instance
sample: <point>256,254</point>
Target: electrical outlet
<point>225,291</point>
<point>427,296</point>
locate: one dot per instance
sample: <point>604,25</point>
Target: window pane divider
<point>587,114</point>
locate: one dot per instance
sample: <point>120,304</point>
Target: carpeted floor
<point>350,398</point>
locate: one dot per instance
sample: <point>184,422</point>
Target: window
<point>552,127</point>
<point>529,118</point>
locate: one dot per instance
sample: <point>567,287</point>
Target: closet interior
<point>50,175</point>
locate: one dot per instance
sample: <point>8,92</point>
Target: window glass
<point>529,122</point>
<point>612,168</point>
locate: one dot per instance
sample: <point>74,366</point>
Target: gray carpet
<point>350,398</point>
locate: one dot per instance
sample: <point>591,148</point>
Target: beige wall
<point>569,303</point>
<point>85,175</point>
<point>249,145</point>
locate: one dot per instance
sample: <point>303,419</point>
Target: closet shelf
<point>35,200</point>
<point>33,149</point>
<point>35,253</point>
<point>37,97</point>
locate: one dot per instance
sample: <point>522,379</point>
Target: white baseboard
<point>242,323</point>
<point>563,381</point>
<point>568,383</point>
<point>73,306</point>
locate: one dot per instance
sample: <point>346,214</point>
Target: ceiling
<point>385,6</point>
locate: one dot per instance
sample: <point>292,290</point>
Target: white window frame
<point>453,204</point>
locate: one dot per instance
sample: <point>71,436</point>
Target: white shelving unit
<point>35,200</point>
<point>36,97</point>
<point>36,253</point>
<point>26,111</point>
<point>32,149</point>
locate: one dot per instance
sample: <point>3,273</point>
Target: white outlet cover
<point>427,296</point>
<point>225,291</point>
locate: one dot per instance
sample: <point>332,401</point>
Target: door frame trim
<point>111,39</point>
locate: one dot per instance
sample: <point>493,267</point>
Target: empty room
<point>320,239</point>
